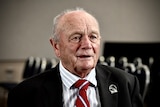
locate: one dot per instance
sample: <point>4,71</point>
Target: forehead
<point>79,20</point>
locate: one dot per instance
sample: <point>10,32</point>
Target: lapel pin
<point>113,89</point>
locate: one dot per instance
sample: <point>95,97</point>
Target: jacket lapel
<point>107,88</point>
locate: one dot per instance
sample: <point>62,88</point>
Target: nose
<point>86,43</point>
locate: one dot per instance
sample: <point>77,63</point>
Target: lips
<point>84,56</point>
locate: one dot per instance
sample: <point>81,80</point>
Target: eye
<point>93,38</point>
<point>75,38</point>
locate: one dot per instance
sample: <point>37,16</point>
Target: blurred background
<point>130,29</point>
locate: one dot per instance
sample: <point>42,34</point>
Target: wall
<point>26,25</point>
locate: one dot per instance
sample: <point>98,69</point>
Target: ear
<point>55,46</point>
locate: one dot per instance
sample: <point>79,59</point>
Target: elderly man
<point>77,80</point>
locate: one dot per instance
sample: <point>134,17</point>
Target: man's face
<point>79,43</point>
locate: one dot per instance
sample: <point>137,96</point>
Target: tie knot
<point>82,84</point>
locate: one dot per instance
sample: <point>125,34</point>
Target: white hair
<point>58,17</point>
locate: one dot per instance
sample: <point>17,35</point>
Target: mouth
<point>84,56</point>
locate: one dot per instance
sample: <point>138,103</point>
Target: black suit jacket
<point>45,90</point>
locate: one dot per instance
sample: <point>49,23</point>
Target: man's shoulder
<point>114,72</point>
<point>41,78</point>
<point>106,68</point>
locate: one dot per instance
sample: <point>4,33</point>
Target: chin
<point>88,66</point>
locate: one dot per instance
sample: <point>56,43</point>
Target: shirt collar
<point>69,79</point>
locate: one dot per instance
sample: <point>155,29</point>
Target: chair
<point>102,60</point>
<point>111,61</point>
<point>130,68</point>
<point>47,64</point>
<point>29,67</point>
<point>153,93</point>
<point>122,62</point>
<point>143,74</point>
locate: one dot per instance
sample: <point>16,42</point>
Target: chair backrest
<point>102,61</point>
<point>29,67</point>
<point>111,61</point>
<point>143,74</point>
<point>37,67</point>
<point>45,65</point>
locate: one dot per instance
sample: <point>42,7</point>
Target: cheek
<point>96,48</point>
<point>68,51</point>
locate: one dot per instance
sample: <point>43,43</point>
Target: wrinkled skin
<point>75,49</point>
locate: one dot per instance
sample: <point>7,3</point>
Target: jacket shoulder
<point>114,73</point>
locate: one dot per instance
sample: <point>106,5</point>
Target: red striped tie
<point>82,100</point>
